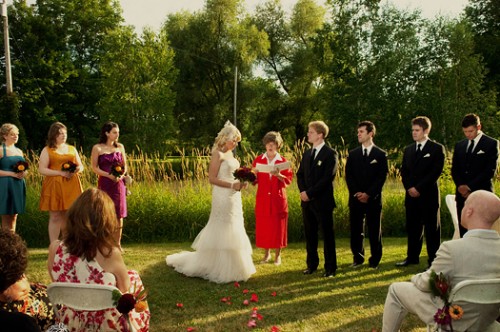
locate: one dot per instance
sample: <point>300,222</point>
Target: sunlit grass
<point>352,301</point>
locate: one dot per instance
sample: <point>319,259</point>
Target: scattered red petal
<point>252,323</point>
<point>179,305</point>
<point>273,294</point>
<point>254,308</point>
<point>246,302</point>
<point>275,329</point>
<point>259,317</point>
<point>190,329</point>
<point>245,291</point>
<point>254,298</point>
<point>224,299</point>
<point>237,284</point>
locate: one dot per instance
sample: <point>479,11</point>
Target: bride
<point>223,250</point>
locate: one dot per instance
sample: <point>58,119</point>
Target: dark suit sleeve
<point>434,173</point>
<point>456,172</point>
<point>349,174</point>
<point>301,182</point>
<point>484,176</point>
<point>405,168</point>
<point>379,179</point>
<point>330,165</point>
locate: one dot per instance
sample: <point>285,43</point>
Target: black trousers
<point>313,219</point>
<point>422,219</point>
<point>361,215</point>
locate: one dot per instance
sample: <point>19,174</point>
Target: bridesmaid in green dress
<point>13,193</point>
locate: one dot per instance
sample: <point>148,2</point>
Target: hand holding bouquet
<point>117,170</point>
<point>20,166</point>
<point>69,167</point>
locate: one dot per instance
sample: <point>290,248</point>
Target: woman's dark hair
<point>13,258</point>
<point>106,128</point>
<point>54,131</point>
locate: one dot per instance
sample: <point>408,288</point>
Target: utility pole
<point>235,93</point>
<point>8,72</point>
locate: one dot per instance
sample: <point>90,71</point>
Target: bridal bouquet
<point>20,166</point>
<point>69,166</point>
<point>127,302</point>
<point>440,286</point>
<point>245,174</point>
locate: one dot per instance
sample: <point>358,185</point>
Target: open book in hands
<point>269,168</point>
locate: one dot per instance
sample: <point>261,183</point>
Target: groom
<point>315,181</point>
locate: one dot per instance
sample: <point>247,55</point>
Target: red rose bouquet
<point>127,302</point>
<point>69,166</point>
<point>440,286</point>
<point>245,174</point>
<point>20,166</point>
<point>117,170</point>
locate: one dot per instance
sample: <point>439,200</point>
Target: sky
<point>152,13</point>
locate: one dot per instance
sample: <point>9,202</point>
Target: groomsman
<point>423,163</point>
<point>315,181</point>
<point>365,173</point>
<point>474,163</point>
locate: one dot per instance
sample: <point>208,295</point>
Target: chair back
<point>452,207</point>
<point>87,297</point>
<point>486,291</point>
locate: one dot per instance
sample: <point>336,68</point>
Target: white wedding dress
<point>223,250</point>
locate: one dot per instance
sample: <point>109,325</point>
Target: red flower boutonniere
<point>69,166</point>
<point>117,170</point>
<point>440,286</point>
<point>20,166</point>
<point>245,174</point>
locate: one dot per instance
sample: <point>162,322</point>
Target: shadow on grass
<point>352,301</point>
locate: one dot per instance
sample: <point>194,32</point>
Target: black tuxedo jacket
<point>423,172</point>
<point>317,180</point>
<point>368,174</point>
<point>476,171</point>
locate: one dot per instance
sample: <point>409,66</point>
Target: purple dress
<point>115,190</point>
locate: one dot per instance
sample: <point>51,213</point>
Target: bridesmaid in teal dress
<point>13,193</point>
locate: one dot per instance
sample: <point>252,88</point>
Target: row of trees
<point>76,62</point>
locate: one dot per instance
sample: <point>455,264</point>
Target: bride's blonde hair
<point>228,133</point>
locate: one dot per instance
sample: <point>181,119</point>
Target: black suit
<point>476,170</point>
<point>366,175</point>
<point>316,179</point>
<point>422,213</point>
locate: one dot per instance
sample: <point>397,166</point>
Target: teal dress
<point>13,191</point>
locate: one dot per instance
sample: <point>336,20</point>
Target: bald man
<point>475,256</point>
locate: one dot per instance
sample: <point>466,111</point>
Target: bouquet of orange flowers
<point>245,174</point>
<point>127,302</point>
<point>20,166</point>
<point>117,170</point>
<point>440,286</point>
<point>69,166</point>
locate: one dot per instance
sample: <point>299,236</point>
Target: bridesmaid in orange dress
<point>271,205</point>
<point>61,166</point>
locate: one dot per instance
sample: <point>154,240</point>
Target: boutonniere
<point>427,155</point>
<point>374,161</point>
<point>480,152</point>
<point>319,163</point>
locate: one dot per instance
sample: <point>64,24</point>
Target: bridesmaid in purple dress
<point>108,153</point>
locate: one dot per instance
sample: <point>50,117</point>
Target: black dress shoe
<point>329,274</point>
<point>373,266</point>
<point>406,263</point>
<point>356,265</point>
<point>308,271</point>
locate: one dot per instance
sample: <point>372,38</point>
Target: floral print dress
<point>69,268</point>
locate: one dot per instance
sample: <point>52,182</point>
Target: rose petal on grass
<point>252,323</point>
<point>179,305</point>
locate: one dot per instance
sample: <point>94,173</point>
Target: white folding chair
<point>85,297</point>
<point>481,292</point>
<point>452,207</point>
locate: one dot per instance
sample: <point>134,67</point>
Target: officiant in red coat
<point>274,174</point>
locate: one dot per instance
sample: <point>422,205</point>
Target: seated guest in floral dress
<point>89,254</point>
<point>17,295</point>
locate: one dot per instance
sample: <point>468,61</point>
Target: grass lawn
<point>351,301</point>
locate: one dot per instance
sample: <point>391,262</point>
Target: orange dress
<point>58,192</point>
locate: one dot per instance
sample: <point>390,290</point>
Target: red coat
<point>271,207</point>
